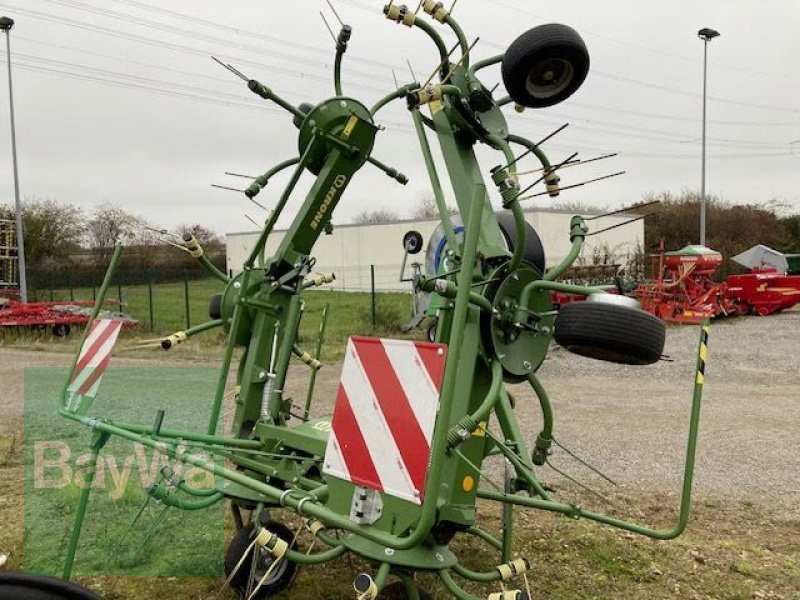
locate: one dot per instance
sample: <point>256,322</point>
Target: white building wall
<point>351,249</point>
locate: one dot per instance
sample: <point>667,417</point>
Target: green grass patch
<point>349,314</point>
<point>163,542</point>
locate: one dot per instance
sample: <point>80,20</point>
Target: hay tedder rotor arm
<point>398,465</point>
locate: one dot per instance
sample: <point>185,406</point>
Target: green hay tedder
<point>395,474</point>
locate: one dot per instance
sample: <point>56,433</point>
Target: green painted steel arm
<point>462,39</point>
<point>436,184</point>
<point>545,438</point>
<point>395,95</point>
<point>577,512</point>
<point>170,499</point>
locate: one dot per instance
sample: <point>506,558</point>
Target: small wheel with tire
<point>61,330</point>
<point>545,65</point>
<point>431,331</point>
<point>215,307</point>
<point>21,586</point>
<point>412,242</point>
<point>398,591</point>
<point>612,329</point>
<point>281,576</point>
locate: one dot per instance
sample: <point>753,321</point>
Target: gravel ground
<point>632,421</point>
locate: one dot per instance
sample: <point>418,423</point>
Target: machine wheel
<point>281,577</point>
<point>534,250</point>
<point>61,330</point>
<point>215,307</point>
<point>611,332</point>
<point>397,591</point>
<point>412,242</point>
<point>19,586</point>
<point>431,331</point>
<point>304,108</point>
<point>545,65</point>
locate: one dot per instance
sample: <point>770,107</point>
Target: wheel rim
<point>264,564</point>
<point>549,78</point>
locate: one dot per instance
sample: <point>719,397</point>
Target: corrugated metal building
<point>351,249</point>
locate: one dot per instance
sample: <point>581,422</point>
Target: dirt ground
<point>632,423</point>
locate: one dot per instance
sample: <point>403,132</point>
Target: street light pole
<point>6,24</point>
<point>706,35</point>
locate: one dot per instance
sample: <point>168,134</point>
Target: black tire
<point>19,586</point>
<point>278,581</point>
<point>215,307</point>
<point>412,242</point>
<point>61,330</point>
<point>430,333</point>
<point>534,250</point>
<point>545,65</point>
<point>397,591</point>
<point>612,333</point>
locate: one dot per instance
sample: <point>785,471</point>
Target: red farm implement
<point>772,285</point>
<point>58,317</point>
<point>683,290</point>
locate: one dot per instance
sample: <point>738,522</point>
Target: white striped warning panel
<point>385,414</point>
<point>92,363</point>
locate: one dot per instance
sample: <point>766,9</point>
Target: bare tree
<point>373,217</point>
<point>427,208</point>
<point>108,226</point>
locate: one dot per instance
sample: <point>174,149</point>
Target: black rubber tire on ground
<point>278,581</point>
<point>215,307</point>
<point>545,65</point>
<point>397,591</point>
<point>61,330</point>
<point>609,332</point>
<point>534,250</point>
<point>19,586</point>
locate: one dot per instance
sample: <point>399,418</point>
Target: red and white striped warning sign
<point>92,362</point>
<point>385,414</point>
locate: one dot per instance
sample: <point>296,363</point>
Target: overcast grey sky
<point>119,101</point>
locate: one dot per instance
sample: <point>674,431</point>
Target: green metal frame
<point>278,464</point>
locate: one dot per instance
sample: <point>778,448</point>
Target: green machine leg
<point>99,440</point>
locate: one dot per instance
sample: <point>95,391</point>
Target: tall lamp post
<point>6,24</point>
<point>706,35</point>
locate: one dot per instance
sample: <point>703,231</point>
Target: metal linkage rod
<point>537,144</point>
<point>577,185</point>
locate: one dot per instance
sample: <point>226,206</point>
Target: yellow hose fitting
<point>313,526</point>
<point>310,361</point>
<point>551,180</point>
<point>513,569</point>
<point>365,587</point>
<point>176,338</point>
<point>323,278</point>
<point>435,9</point>
<point>193,247</point>
<point>512,595</point>
<point>399,13</point>
<point>429,94</point>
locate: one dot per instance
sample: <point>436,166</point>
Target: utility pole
<point>706,35</point>
<point>6,24</point>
